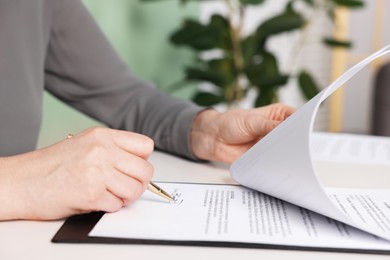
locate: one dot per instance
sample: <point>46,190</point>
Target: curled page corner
<point>280,164</point>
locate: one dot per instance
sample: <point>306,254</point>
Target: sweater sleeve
<point>83,70</point>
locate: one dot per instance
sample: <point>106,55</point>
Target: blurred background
<point>140,31</point>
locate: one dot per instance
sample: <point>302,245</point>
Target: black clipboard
<point>76,229</point>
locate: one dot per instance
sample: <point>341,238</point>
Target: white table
<point>31,239</point>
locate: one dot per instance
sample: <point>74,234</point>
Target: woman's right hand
<point>99,169</point>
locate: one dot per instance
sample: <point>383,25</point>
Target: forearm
<point>83,70</point>
<point>13,206</point>
<point>166,120</point>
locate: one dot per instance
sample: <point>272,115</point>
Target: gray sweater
<point>56,45</point>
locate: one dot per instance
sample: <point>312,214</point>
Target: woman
<point>56,46</point>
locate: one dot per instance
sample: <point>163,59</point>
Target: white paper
<point>281,165</point>
<point>364,206</point>
<point>228,213</point>
<point>350,148</point>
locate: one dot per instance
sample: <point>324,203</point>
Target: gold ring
<point>69,136</point>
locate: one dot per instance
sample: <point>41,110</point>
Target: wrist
<point>203,134</point>
<point>17,184</point>
<point>11,208</point>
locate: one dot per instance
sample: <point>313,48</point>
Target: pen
<point>160,192</point>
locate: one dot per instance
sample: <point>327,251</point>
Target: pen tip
<point>168,196</point>
<point>156,189</point>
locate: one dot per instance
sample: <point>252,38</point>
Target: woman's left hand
<point>226,136</point>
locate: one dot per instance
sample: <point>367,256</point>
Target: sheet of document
<point>364,206</point>
<point>350,148</point>
<point>280,164</point>
<point>229,213</point>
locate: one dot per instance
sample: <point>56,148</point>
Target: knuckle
<point>91,195</point>
<point>92,146</point>
<point>145,172</point>
<point>134,194</point>
<point>281,108</point>
<point>114,206</point>
<point>95,153</point>
<point>149,171</point>
<point>93,187</point>
<point>97,133</point>
<point>148,144</point>
<point>91,131</point>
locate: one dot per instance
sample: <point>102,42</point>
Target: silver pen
<point>160,192</point>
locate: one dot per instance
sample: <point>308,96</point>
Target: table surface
<point>32,239</point>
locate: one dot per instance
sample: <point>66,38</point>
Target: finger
<point>124,187</point>
<point>258,127</point>
<point>134,143</point>
<point>134,167</point>
<point>286,112</point>
<point>268,126</point>
<point>279,111</point>
<point>109,203</point>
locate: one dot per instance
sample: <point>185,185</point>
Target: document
<point>295,146</point>
<point>235,214</point>
<point>350,148</point>
<point>281,200</point>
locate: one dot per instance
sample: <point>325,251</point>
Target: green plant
<point>242,62</point>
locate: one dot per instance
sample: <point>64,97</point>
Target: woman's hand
<point>98,169</point>
<point>226,136</point>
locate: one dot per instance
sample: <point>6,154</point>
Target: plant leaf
<point>220,72</point>
<point>309,2</point>
<point>195,35</point>
<point>265,98</point>
<point>265,74</point>
<point>350,3</point>
<point>290,7</point>
<point>222,26</point>
<point>251,2</point>
<point>207,99</point>
<point>251,45</point>
<point>225,68</point>
<point>181,1</point>
<point>331,42</point>
<point>201,37</point>
<point>274,81</point>
<point>307,85</point>
<point>284,22</point>
<point>204,75</point>
<point>331,14</point>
